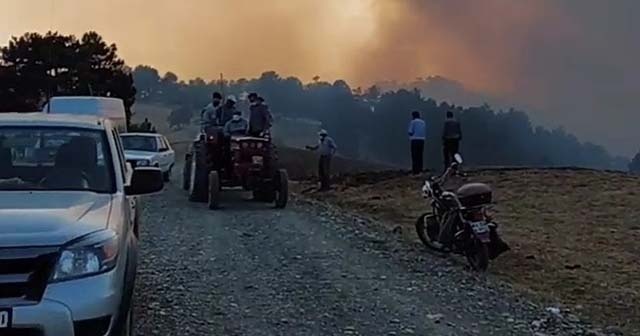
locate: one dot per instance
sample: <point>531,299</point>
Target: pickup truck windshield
<point>54,158</point>
<point>140,143</point>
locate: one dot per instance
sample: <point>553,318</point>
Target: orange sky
<point>567,62</point>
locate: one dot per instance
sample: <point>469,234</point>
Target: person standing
<point>451,137</point>
<point>327,148</point>
<point>226,111</point>
<point>417,136</point>
<point>259,116</point>
<point>209,112</point>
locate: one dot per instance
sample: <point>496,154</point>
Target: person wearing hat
<point>236,126</point>
<point>226,111</point>
<point>327,148</point>
<point>208,115</point>
<point>259,116</point>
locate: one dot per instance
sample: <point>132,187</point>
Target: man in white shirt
<point>417,135</point>
<point>327,148</point>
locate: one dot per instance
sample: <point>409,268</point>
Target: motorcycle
<point>459,221</point>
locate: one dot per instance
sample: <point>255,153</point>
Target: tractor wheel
<point>282,188</point>
<point>186,172</point>
<point>199,179</point>
<point>214,190</point>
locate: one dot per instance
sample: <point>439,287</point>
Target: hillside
<point>573,234</point>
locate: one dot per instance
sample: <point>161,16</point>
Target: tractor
<point>216,162</point>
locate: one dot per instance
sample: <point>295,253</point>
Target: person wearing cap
<point>327,148</point>
<point>208,115</point>
<point>226,111</point>
<point>259,116</point>
<point>236,126</point>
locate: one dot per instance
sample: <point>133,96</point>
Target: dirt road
<point>251,270</point>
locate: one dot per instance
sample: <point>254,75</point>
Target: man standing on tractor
<point>225,112</point>
<point>259,117</point>
<point>208,115</point>
<point>327,148</point>
<point>236,126</point>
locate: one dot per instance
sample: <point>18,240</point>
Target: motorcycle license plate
<point>481,230</point>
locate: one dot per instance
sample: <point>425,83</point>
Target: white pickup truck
<point>68,226</point>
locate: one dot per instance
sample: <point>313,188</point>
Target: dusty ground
<point>574,234</point>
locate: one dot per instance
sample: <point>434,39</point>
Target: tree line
<point>367,123</point>
<point>370,124</point>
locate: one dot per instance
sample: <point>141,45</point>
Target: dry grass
<point>574,234</point>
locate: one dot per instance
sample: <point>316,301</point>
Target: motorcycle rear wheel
<point>478,256</point>
<point>428,229</point>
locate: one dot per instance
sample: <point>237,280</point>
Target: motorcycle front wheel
<point>478,255</point>
<point>428,229</point>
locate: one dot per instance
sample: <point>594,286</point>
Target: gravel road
<point>309,270</point>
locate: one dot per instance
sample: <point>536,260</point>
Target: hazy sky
<point>569,62</point>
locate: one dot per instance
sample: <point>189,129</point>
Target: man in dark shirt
<point>259,116</point>
<point>451,137</point>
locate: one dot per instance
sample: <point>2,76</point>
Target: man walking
<point>327,148</point>
<point>417,135</point>
<point>451,136</point>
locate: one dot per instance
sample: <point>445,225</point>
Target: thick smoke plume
<point>567,62</point>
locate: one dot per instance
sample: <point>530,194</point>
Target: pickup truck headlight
<point>95,254</point>
<point>142,163</point>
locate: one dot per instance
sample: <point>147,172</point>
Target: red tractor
<point>216,162</point>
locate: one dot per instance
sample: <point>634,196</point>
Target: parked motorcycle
<point>459,221</point>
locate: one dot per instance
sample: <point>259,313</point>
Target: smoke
<point>571,62</point>
<point>568,62</point>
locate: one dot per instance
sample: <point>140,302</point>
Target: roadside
<point>309,270</point>
<point>573,233</point>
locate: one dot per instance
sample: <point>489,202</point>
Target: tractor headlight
<point>93,255</point>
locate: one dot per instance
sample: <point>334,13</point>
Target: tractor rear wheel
<point>214,190</point>
<point>199,179</point>
<point>282,188</point>
<point>186,172</point>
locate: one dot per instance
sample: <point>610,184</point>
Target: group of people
<point>230,118</point>
<point>451,137</point>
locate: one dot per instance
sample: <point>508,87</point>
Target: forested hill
<point>372,125</point>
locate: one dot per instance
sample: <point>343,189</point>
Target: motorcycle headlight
<point>93,255</point>
<point>142,163</point>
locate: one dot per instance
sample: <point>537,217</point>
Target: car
<point>149,149</point>
<point>68,226</point>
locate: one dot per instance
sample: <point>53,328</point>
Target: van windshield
<point>55,158</point>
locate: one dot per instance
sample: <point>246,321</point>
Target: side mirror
<point>458,158</point>
<point>144,181</point>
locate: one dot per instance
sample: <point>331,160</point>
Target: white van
<point>105,107</point>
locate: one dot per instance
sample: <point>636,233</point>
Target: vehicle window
<point>140,143</point>
<point>116,138</point>
<point>55,158</point>
<point>161,144</point>
<point>166,143</point>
